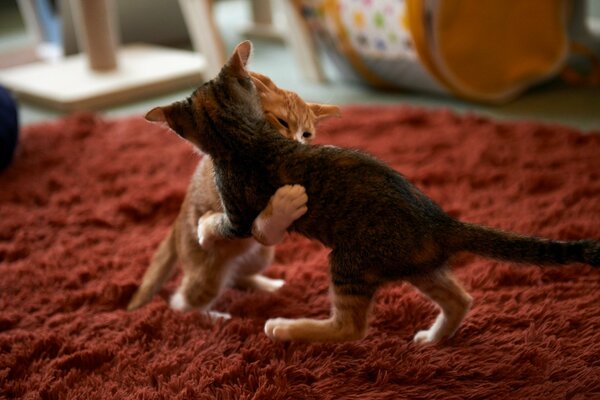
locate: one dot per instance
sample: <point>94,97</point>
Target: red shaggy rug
<point>87,200</point>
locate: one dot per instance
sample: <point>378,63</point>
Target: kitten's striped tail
<point>160,270</point>
<point>507,246</point>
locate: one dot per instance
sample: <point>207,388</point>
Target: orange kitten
<point>239,262</point>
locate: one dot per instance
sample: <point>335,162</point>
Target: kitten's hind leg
<point>250,266</point>
<point>160,270</point>
<point>191,296</point>
<point>451,298</point>
<point>348,321</point>
<point>203,281</point>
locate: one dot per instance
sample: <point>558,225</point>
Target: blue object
<point>50,23</point>
<point>9,127</point>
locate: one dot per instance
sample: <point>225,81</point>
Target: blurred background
<point>34,30</point>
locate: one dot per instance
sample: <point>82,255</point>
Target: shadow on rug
<point>87,200</point>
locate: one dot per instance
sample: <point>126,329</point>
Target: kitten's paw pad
<point>289,204</point>
<point>206,231</point>
<point>278,329</point>
<point>425,338</point>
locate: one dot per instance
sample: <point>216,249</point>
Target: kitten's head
<point>198,117</point>
<point>239,94</point>
<point>288,113</point>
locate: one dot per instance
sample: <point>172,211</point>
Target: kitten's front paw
<point>289,204</point>
<point>206,230</point>
<point>278,329</point>
<point>286,205</point>
<point>425,338</point>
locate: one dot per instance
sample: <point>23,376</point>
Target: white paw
<point>178,302</point>
<point>216,315</point>
<point>261,282</point>
<point>274,284</point>
<point>206,234</point>
<point>278,329</point>
<point>425,337</point>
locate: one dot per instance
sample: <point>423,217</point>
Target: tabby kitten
<point>380,228</point>
<point>207,271</point>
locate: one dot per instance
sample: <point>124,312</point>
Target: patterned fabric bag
<point>487,51</point>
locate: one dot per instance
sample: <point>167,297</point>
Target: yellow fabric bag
<point>490,50</point>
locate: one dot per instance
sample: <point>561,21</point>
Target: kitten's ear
<point>262,81</point>
<point>260,86</point>
<point>176,117</point>
<point>266,93</point>
<point>157,114</point>
<point>240,57</point>
<point>324,111</point>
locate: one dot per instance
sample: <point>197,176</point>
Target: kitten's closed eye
<point>283,122</point>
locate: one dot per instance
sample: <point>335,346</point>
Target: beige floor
<point>552,102</point>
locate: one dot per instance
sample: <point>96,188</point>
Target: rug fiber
<point>87,200</point>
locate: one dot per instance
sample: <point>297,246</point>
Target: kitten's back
<point>356,201</point>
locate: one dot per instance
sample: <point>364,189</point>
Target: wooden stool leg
<point>205,37</point>
<point>261,12</point>
<point>95,24</point>
<point>302,44</point>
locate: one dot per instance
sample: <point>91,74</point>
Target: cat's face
<point>253,94</point>
<point>288,113</point>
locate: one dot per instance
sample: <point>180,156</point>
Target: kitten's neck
<point>240,138</point>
